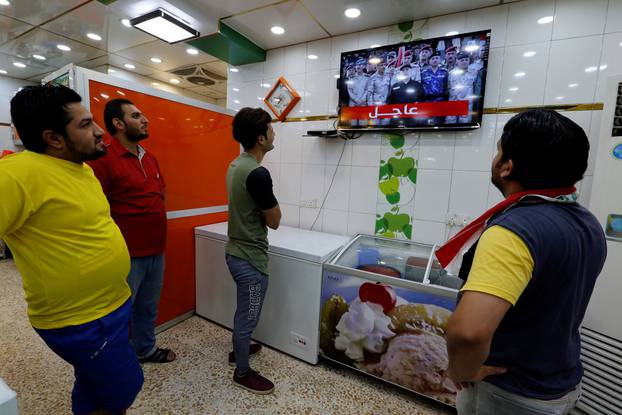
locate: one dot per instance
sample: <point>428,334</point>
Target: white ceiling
<point>29,27</point>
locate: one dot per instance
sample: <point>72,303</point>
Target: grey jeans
<point>251,292</point>
<point>484,398</point>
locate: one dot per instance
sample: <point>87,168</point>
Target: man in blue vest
<point>513,341</point>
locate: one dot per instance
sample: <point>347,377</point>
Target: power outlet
<point>299,340</point>
<point>311,203</point>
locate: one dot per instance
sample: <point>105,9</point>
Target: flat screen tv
<point>424,84</point>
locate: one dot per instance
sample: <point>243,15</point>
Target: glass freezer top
<point>395,258</point>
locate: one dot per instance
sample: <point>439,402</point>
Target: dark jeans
<point>251,292</point>
<point>145,281</point>
<point>107,372</point>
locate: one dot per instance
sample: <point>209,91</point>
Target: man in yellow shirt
<point>514,338</point>
<point>71,255</point>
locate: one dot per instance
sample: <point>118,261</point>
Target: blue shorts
<point>108,375</point>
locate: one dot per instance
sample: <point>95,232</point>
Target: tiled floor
<point>199,381</point>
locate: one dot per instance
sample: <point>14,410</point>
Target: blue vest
<point>538,339</point>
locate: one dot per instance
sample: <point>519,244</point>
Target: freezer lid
<point>294,242</point>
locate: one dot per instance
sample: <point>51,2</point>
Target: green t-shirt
<point>249,188</point>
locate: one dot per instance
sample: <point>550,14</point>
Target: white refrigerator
<point>601,334</point>
<point>289,319</point>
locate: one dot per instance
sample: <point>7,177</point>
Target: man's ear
<point>119,124</point>
<point>507,167</point>
<point>261,139</point>
<point>53,140</point>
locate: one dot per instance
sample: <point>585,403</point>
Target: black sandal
<point>159,356</point>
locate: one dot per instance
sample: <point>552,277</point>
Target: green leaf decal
<point>393,198</point>
<point>381,225</point>
<point>390,186</point>
<point>396,141</point>
<point>396,222</point>
<point>385,172</point>
<point>401,167</point>
<point>405,26</point>
<point>408,231</point>
<point>412,175</point>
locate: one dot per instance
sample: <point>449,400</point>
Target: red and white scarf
<point>450,254</point>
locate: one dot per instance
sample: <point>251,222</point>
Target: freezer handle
<point>428,268</point>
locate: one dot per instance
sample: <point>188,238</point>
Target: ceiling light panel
<point>165,26</point>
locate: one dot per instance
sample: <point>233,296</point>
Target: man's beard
<point>80,156</point>
<point>136,136</point>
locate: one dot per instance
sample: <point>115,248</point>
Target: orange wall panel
<point>194,147</point>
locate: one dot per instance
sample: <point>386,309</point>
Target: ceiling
<point>36,27</point>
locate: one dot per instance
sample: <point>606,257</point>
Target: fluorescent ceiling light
<point>513,88</point>
<point>191,51</point>
<point>155,84</point>
<point>519,74</point>
<point>19,64</point>
<point>174,81</point>
<point>573,85</point>
<point>375,45</point>
<point>452,33</point>
<point>165,26</point>
<point>591,69</point>
<point>126,22</point>
<point>63,47</point>
<point>559,97</point>
<point>234,70</point>
<point>312,57</point>
<point>93,36</point>
<point>111,71</point>
<point>39,57</point>
<point>352,12</point>
<point>277,30</point>
<point>156,60</point>
<point>237,101</point>
<point>3,72</point>
<point>546,19</point>
<point>129,66</point>
<point>529,54</point>
<point>236,89</point>
<point>5,3</point>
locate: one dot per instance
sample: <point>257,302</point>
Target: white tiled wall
<point>574,54</point>
<point>8,88</point>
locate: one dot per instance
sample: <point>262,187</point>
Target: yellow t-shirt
<point>502,265</point>
<point>56,220</point>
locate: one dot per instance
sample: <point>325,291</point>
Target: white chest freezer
<point>290,315</point>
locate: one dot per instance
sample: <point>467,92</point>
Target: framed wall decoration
<point>281,99</point>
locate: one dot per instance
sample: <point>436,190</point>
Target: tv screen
<point>424,84</point>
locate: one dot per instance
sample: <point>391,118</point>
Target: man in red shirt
<point>131,179</point>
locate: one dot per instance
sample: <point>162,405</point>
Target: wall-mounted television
<point>424,84</point>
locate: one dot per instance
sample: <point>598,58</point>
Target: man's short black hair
<point>249,124</point>
<point>547,149</point>
<point>37,108</point>
<point>112,110</point>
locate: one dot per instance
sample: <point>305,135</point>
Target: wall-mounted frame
<point>281,99</point>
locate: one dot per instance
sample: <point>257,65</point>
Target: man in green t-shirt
<point>252,209</point>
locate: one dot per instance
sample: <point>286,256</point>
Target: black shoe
<point>254,348</point>
<point>252,381</point>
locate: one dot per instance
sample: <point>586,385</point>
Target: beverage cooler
<point>385,305</point>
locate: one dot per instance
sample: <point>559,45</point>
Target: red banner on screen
<point>414,110</point>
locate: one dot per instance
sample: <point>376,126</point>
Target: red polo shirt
<point>134,187</point>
